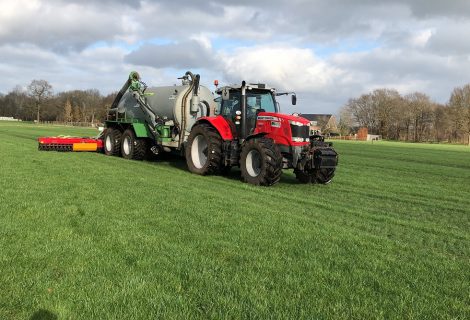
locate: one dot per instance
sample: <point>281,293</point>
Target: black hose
<point>183,111</point>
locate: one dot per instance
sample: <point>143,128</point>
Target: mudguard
<point>220,124</point>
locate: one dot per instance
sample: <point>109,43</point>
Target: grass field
<point>86,236</point>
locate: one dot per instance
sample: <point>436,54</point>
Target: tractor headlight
<point>296,123</point>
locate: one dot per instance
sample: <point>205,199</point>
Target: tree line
<point>412,117</point>
<point>38,102</point>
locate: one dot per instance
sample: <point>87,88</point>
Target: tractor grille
<point>299,132</point>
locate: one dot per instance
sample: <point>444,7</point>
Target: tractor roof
<point>250,86</point>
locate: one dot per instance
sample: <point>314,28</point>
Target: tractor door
<point>258,101</point>
<point>229,110</point>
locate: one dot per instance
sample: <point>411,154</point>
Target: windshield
<point>260,101</point>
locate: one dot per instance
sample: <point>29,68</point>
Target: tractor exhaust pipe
<point>243,122</point>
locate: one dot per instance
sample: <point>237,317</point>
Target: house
<point>325,123</point>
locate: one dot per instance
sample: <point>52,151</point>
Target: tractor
<point>249,131</point>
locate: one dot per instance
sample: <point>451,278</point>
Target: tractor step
<point>69,144</point>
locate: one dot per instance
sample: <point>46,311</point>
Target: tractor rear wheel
<point>133,147</point>
<point>204,150</point>
<point>112,142</point>
<point>261,162</point>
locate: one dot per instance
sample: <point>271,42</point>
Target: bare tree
<point>421,110</point>
<point>363,111</point>
<point>39,90</point>
<point>76,114</point>
<point>345,121</point>
<point>385,102</point>
<point>460,102</point>
<point>441,123</point>
<point>68,111</point>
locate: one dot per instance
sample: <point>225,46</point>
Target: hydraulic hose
<point>183,106</point>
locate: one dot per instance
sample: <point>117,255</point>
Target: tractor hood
<point>284,129</point>
<point>291,118</point>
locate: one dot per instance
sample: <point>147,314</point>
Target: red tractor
<point>248,131</point>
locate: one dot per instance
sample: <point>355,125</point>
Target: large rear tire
<point>133,148</point>
<point>204,150</point>
<point>112,142</point>
<point>261,162</point>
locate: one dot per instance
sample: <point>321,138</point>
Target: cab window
<point>230,106</point>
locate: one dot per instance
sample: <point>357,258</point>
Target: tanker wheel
<point>133,147</point>
<point>261,162</point>
<point>304,177</point>
<point>324,176</point>
<point>112,142</point>
<point>204,150</point>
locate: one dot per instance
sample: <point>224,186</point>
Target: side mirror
<point>294,99</point>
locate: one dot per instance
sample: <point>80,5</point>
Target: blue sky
<point>326,51</point>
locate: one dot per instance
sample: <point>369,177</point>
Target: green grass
<point>86,236</point>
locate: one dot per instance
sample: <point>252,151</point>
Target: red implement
<point>69,144</point>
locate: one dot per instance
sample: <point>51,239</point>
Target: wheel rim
<point>126,146</point>
<point>199,150</point>
<point>253,163</point>
<point>109,145</point>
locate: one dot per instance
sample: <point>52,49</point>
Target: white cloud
<point>283,67</point>
<point>358,45</point>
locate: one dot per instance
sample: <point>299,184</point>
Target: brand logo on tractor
<point>271,118</point>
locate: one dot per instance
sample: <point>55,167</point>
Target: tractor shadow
<point>179,162</point>
<point>42,314</point>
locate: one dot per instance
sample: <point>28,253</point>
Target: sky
<point>325,51</point>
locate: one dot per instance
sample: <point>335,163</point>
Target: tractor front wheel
<point>112,142</point>
<point>324,176</point>
<point>304,176</point>
<point>261,162</point>
<point>133,147</point>
<point>204,150</point>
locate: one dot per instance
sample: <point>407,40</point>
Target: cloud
<point>280,66</point>
<point>450,38</point>
<point>180,55</point>
<point>326,51</point>
<point>67,27</point>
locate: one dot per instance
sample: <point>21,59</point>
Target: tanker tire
<point>261,162</point>
<point>203,150</point>
<point>133,148</point>
<point>112,142</point>
<point>304,177</point>
<point>324,176</point>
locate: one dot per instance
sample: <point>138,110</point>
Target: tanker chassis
<point>241,127</point>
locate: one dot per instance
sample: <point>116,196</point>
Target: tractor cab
<point>248,131</point>
<point>240,105</point>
